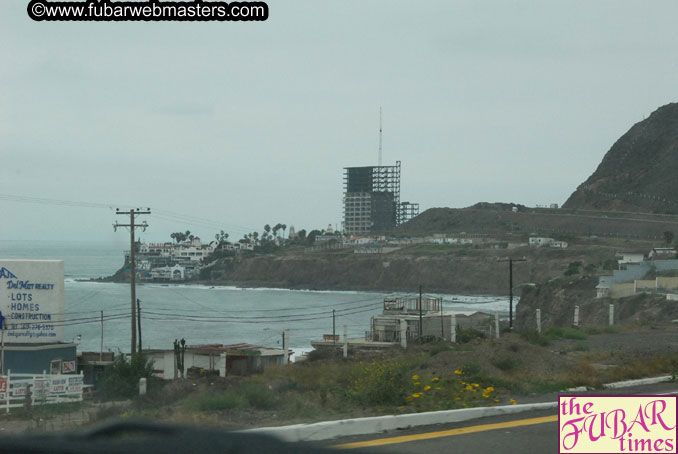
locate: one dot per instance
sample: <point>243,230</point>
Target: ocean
<point>203,314</point>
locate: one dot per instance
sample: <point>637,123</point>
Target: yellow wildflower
<point>496,400</point>
<point>489,389</point>
<point>475,384</point>
<point>416,395</point>
<point>513,402</point>
<point>408,398</point>
<point>435,379</point>
<point>426,388</point>
<point>438,387</point>
<point>470,388</point>
<point>415,377</point>
<point>457,372</point>
<point>417,383</point>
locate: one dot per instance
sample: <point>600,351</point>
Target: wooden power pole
<point>510,262</point>
<point>132,213</point>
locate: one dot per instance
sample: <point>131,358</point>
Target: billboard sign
<point>32,300</point>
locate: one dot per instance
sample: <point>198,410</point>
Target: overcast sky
<point>251,123</point>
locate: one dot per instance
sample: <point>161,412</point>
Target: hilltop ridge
<point>638,173</point>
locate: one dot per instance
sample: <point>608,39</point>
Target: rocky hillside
<point>500,221</point>
<point>639,172</point>
<point>557,300</point>
<point>463,270</point>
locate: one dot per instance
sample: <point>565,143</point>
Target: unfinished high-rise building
<point>372,200</point>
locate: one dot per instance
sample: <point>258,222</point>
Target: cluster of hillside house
<point>167,262</point>
<point>631,277</point>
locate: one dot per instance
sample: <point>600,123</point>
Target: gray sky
<point>251,123</point>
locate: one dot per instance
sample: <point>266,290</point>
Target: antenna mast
<point>379,136</point>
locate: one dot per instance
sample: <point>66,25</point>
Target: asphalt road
<point>528,432</point>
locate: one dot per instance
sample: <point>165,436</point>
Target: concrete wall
<point>643,285</point>
<point>666,284</point>
<point>622,290</point>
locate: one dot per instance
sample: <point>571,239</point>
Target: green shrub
<point>255,395</point>
<point>505,362</point>
<point>580,347</point>
<point>225,400</point>
<point>258,395</point>
<point>565,333</point>
<point>121,380</point>
<point>535,338</point>
<point>379,382</point>
<point>467,335</point>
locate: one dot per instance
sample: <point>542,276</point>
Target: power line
<point>330,305</point>
<point>236,318</point>
<point>166,214</point>
<point>181,317</point>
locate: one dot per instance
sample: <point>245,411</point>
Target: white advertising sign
<point>19,388</point>
<point>32,300</point>
<point>75,384</point>
<point>58,386</point>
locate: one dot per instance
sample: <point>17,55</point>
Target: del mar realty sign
<point>32,300</point>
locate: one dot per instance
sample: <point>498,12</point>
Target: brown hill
<point>500,221</point>
<point>639,172</point>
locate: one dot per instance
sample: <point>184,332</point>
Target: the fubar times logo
<point>617,424</point>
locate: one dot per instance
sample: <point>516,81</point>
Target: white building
<point>169,273</point>
<point>540,241</point>
<point>630,256</point>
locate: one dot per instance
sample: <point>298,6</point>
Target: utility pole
<point>139,321</point>
<point>380,138</point>
<point>101,350</point>
<point>421,316</point>
<point>132,213</point>
<point>510,262</point>
<point>334,328</point>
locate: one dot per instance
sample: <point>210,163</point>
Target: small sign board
<point>68,367</point>
<point>3,388</point>
<point>75,384</point>
<point>58,386</point>
<point>41,388</point>
<point>18,388</point>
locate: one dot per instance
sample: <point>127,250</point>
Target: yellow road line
<point>447,433</point>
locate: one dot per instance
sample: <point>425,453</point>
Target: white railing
<point>44,389</point>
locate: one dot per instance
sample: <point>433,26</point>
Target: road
<point>534,431</point>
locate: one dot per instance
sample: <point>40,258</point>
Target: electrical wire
<point>330,305</point>
<point>170,317</point>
